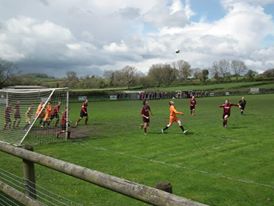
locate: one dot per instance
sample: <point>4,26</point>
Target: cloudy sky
<point>90,36</point>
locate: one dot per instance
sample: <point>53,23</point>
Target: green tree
<point>71,80</point>
<point>238,67</point>
<point>6,71</point>
<point>162,74</point>
<point>129,75</point>
<point>221,70</point>
<point>184,69</point>
<point>205,74</point>
<point>250,75</point>
<point>268,73</point>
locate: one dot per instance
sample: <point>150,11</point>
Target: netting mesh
<point>32,116</point>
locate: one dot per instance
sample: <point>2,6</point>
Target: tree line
<point>158,75</point>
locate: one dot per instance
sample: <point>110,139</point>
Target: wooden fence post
<point>29,175</point>
<point>132,189</point>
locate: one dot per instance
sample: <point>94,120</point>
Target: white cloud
<point>116,47</point>
<point>74,46</point>
<point>176,6</point>
<point>25,35</point>
<point>236,36</point>
<point>162,15</point>
<point>100,34</point>
<point>229,4</point>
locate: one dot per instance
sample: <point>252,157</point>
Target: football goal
<point>34,115</point>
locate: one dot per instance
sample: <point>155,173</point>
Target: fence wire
<point>43,195</point>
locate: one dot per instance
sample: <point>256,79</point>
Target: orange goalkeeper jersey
<point>173,112</point>
<point>39,108</point>
<point>48,112</point>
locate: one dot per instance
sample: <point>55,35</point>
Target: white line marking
<point>218,175</point>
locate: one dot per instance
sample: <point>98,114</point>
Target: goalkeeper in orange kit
<point>173,118</point>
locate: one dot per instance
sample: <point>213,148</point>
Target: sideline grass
<point>212,165</point>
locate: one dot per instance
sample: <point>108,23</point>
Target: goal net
<point>33,116</point>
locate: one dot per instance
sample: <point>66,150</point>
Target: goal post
<point>33,115</point>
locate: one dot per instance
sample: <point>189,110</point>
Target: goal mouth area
<point>20,117</point>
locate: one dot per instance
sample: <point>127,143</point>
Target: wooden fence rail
<point>18,196</point>
<point>134,190</point>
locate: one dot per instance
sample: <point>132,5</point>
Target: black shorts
<point>242,107</point>
<point>145,120</point>
<point>54,116</point>
<point>192,107</point>
<point>64,127</point>
<point>17,116</point>
<point>83,114</point>
<point>7,119</point>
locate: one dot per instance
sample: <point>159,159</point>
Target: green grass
<point>188,87</point>
<point>219,86</point>
<point>212,165</point>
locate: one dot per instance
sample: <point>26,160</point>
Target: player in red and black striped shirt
<point>192,105</point>
<point>7,117</point>
<point>145,113</point>
<point>17,115</point>
<point>64,124</point>
<point>227,108</point>
<point>83,113</point>
<point>55,113</point>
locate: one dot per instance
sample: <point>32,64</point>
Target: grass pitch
<point>212,165</point>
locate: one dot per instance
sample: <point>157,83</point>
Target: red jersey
<point>56,109</point>
<point>64,118</point>
<point>192,102</point>
<point>84,107</point>
<point>145,110</point>
<point>17,110</point>
<point>227,107</point>
<point>7,112</point>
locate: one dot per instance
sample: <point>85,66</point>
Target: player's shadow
<point>249,114</point>
<point>98,123</point>
<point>189,133</point>
<point>236,127</point>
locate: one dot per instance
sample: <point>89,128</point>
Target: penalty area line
<point>179,166</point>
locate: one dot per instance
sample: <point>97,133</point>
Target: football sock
<point>182,128</point>
<point>225,123</point>
<point>166,128</point>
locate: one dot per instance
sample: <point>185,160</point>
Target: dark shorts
<point>54,116</point>
<point>242,107</point>
<point>8,119</point>
<point>192,107</point>
<point>145,120</point>
<point>17,116</point>
<point>64,126</point>
<point>83,114</point>
<point>225,115</point>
